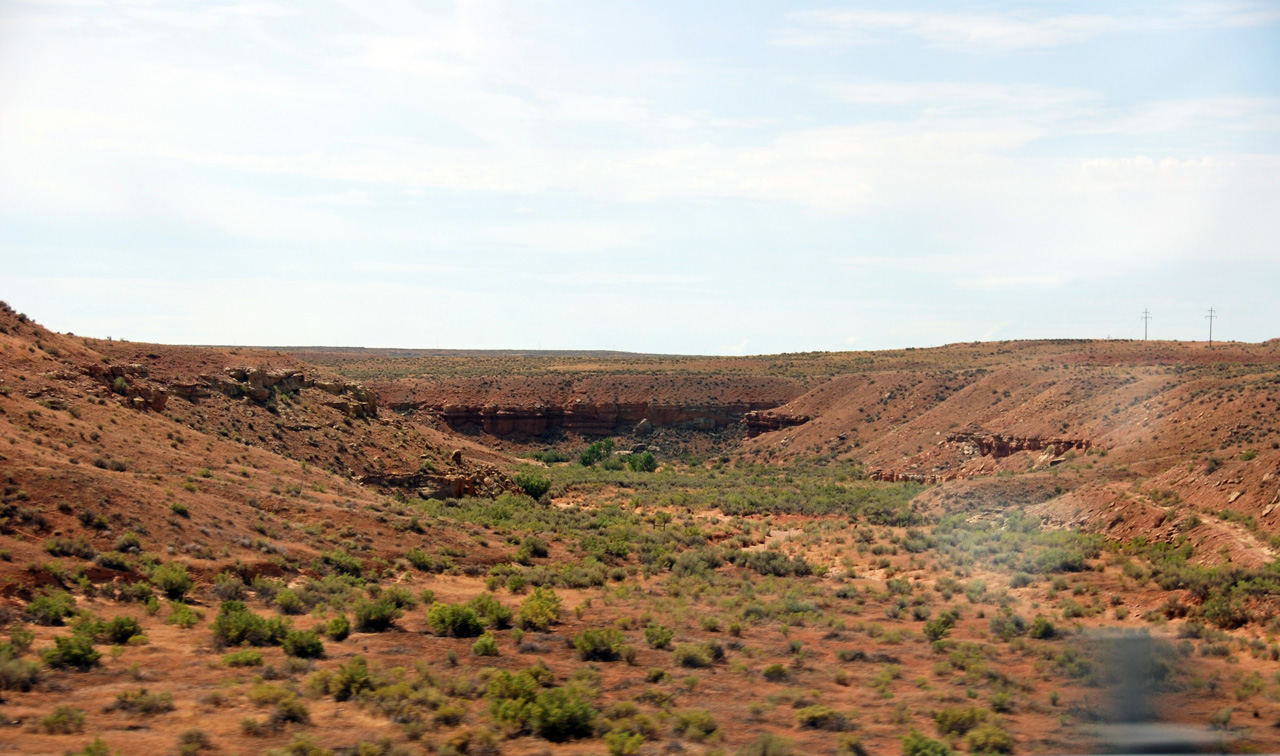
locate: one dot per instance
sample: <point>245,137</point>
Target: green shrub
<point>1007,626</point>
<point>420,559</point>
<point>119,630</point>
<point>956,721</point>
<point>558,714</point>
<point>766,744</point>
<point>113,560</point>
<point>70,547</point>
<point>75,652</point>
<point>694,724</point>
<point>535,547</point>
<point>192,742</point>
<point>1059,560</point>
<point>599,645</point>
<point>561,714</point>
<point>235,625</point>
<point>245,658</point>
<point>343,563</point>
<point>771,563</point>
<point>820,717</point>
<point>917,744</point>
<point>623,742</point>
<point>533,484</point>
<point>182,615</point>
<point>142,702</point>
<point>16,673</point>
<point>454,620</point>
<point>989,738</point>
<point>658,636</point>
<point>539,610</point>
<point>97,748</point>
<point>304,644</point>
<point>172,579</point>
<point>643,462</point>
<point>348,681</point>
<point>64,720</point>
<point>940,627</point>
<point>376,616</point>
<point>692,655</point>
<point>493,612</point>
<point>289,602</point>
<point>485,645</point>
<point>775,673</point>
<point>338,628</point>
<point>596,452</point>
<point>1042,628</point>
<point>51,608</point>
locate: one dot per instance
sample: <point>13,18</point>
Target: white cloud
<point>1000,32</point>
<point>839,28</point>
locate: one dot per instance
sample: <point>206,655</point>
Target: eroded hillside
<point>244,551</point>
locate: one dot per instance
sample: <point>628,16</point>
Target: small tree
<point>533,484</point>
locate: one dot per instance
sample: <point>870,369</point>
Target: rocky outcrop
<point>254,383</point>
<point>767,422</point>
<point>259,385</point>
<point>130,383</point>
<point>430,484</point>
<point>998,445</point>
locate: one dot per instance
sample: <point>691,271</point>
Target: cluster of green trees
<point>602,452</point>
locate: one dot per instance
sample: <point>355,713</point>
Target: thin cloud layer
<point>773,184</point>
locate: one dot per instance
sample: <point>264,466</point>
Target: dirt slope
<point>104,439</point>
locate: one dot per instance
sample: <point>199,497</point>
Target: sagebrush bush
<point>64,720</point>
<point>244,658</point>
<point>172,579</point>
<point>694,724</point>
<point>304,644</point>
<point>376,616</point>
<point>485,645</point>
<point>454,620</point>
<point>338,628</point>
<point>235,625</point>
<point>71,652</point>
<point>599,645</point>
<point>539,610</point>
<point>916,743</point>
<point>658,636</point>
<point>51,608</point>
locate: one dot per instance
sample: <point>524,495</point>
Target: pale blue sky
<point>708,177</point>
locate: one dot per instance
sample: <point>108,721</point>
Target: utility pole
<point>1211,316</point>
<point>1146,320</point>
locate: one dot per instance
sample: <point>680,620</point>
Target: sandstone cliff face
<point>530,406</point>
<point>587,417</point>
<point>767,422</point>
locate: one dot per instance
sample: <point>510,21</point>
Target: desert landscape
<point>370,551</point>
<point>508,378</point>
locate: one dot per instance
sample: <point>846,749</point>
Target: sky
<point>716,177</point>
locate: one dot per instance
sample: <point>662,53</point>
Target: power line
<point>1146,319</point>
<point>1211,317</point>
